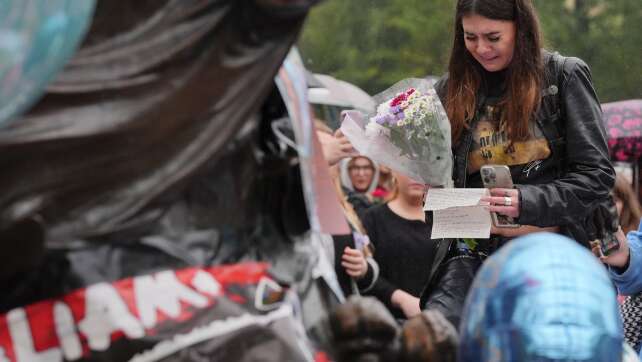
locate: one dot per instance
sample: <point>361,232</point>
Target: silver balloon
<point>541,297</point>
<point>37,38</point>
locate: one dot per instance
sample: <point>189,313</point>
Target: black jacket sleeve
<point>589,175</point>
<point>382,289</point>
<point>447,289</point>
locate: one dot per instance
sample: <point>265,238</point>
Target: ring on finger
<point>508,201</point>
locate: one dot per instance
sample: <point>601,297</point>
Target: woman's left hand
<point>504,201</point>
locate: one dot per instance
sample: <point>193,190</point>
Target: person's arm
<point>625,265</point>
<point>368,281</point>
<point>364,270</point>
<point>335,147</point>
<point>408,303</point>
<point>447,290</point>
<point>382,288</point>
<point>589,174</point>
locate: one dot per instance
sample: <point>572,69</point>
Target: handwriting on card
<point>458,213</point>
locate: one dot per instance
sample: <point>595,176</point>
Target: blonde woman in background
<point>354,265</point>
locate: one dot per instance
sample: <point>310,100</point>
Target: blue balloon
<point>37,38</point>
<point>541,297</point>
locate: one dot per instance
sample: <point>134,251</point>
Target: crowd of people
<point>509,103</point>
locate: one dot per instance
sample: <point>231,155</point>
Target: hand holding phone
<point>498,176</point>
<point>619,257</point>
<point>604,225</point>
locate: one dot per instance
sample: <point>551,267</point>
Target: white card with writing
<point>458,213</point>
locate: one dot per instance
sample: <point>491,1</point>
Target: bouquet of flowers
<point>409,133</point>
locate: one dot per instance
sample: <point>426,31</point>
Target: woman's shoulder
<point>564,66</point>
<point>377,211</point>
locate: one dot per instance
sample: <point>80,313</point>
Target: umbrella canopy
<point>340,93</point>
<point>623,121</point>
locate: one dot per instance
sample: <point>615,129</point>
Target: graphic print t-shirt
<point>491,145</point>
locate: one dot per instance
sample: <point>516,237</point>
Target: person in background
<point>511,103</point>
<point>628,206</point>
<point>356,270</point>
<point>359,177</point>
<point>416,272</point>
<point>400,232</point>
<point>625,270</point>
<point>385,186</point>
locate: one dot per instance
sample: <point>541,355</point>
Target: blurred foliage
<point>374,43</point>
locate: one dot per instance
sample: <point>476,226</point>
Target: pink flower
<point>380,193</point>
<point>398,99</point>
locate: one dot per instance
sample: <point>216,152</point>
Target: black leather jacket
<point>450,280</point>
<point>564,189</point>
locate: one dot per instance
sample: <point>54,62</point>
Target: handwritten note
<point>458,213</point>
<point>440,199</point>
<point>461,222</point>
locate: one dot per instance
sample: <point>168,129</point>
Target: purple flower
<point>400,116</point>
<point>380,119</point>
<point>392,120</point>
<point>395,109</point>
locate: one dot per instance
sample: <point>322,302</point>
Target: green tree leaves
<point>375,43</point>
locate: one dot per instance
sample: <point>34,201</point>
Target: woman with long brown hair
<point>512,103</point>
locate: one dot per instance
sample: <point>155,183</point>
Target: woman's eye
<point>470,38</point>
<point>494,40</point>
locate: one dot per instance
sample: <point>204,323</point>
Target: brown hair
<point>524,74</point>
<point>631,210</point>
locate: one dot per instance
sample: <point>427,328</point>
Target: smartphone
<point>611,221</point>
<point>609,243</point>
<point>498,176</point>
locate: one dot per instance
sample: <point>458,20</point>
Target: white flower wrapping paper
<point>410,133</point>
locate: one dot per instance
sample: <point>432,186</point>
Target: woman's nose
<point>483,47</point>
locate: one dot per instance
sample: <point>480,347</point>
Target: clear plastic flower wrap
<point>409,133</point>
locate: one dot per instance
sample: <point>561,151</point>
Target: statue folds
<point>149,210</point>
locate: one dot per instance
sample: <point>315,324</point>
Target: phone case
<point>498,176</point>
<point>609,244</point>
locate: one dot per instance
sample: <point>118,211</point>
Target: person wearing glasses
<point>359,178</point>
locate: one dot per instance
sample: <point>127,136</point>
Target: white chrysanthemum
<point>383,108</point>
<point>374,129</point>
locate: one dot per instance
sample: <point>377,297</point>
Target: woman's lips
<point>489,59</point>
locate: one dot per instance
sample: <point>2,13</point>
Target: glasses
<point>360,169</point>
